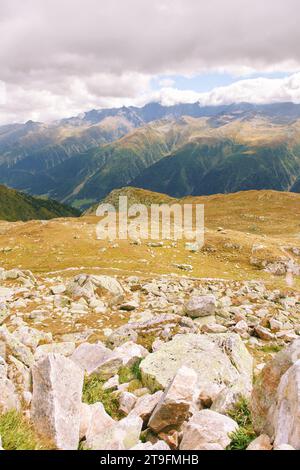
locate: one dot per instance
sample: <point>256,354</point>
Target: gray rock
<point>64,348</point>
<point>208,430</point>
<point>200,306</point>
<point>145,405</point>
<point>218,359</point>
<point>97,359</point>
<point>56,400</point>
<point>9,399</point>
<point>174,406</point>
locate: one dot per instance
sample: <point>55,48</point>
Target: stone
<point>97,359</point>
<point>262,442</point>
<point>112,383</point>
<point>129,306</point>
<point>130,352</point>
<point>159,445</point>
<point>284,447</point>
<point>207,428</point>
<point>284,415</point>
<point>263,333</point>
<point>200,306</point>
<point>145,405</point>
<point>213,328</point>
<point>219,360</point>
<point>9,399</point>
<point>18,349</point>
<point>31,337</point>
<point>109,284</point>
<point>122,435</point>
<point>266,385</point>
<point>174,406</point>
<point>85,419</point>
<point>127,401</point>
<point>241,327</point>
<point>64,348</point>
<point>275,325</point>
<point>58,289</point>
<point>56,400</point>
<point>99,423</point>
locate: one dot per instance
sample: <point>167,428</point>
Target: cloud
<point>60,57</point>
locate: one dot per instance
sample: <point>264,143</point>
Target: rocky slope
<point>164,363</point>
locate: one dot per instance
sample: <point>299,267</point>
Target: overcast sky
<point>62,57</point>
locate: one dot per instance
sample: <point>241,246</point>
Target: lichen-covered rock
<point>56,400</point>
<point>207,429</point>
<point>218,359</point>
<point>265,388</point>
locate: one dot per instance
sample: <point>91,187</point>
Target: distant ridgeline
<point>178,150</point>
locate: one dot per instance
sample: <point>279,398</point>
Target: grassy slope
<point>68,246</point>
<point>15,206</point>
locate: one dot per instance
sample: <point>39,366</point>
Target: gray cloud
<point>62,56</point>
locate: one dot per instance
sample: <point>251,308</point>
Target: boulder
<point>64,348</point>
<point>85,419</point>
<point>159,445</point>
<point>200,306</point>
<point>9,399</point>
<point>99,423</point>
<point>130,352</point>
<point>284,415</point>
<point>208,430</point>
<point>109,284</point>
<point>56,400</point>
<point>174,406</point>
<point>121,435</point>
<point>31,337</point>
<point>145,405</point>
<point>262,442</point>
<point>219,360</point>
<point>127,401</point>
<point>18,349</point>
<point>265,388</point>
<point>97,359</point>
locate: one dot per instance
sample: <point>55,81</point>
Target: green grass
<point>18,434</point>
<point>271,348</point>
<point>93,392</point>
<point>128,374</point>
<point>245,433</point>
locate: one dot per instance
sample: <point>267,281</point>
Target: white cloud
<point>61,57</point>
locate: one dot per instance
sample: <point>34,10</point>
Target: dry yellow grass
<point>69,245</point>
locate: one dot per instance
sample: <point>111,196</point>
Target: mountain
<point>16,206</point>
<point>181,149</point>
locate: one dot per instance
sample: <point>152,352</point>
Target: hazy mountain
<point>15,206</point>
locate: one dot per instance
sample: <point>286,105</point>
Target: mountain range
<point>180,150</point>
